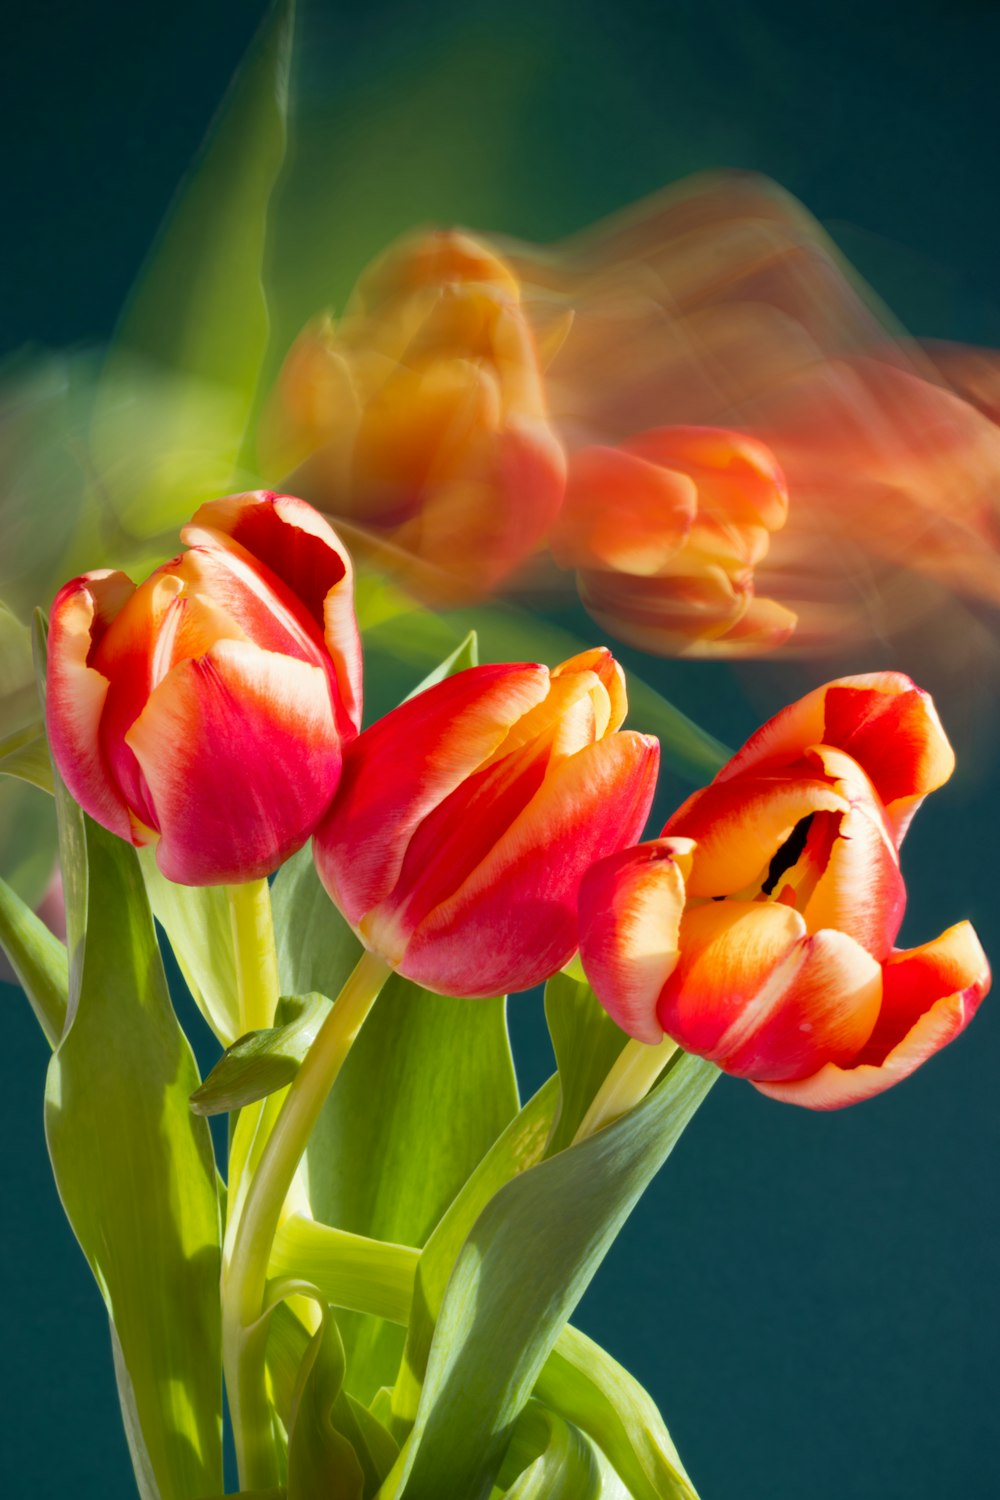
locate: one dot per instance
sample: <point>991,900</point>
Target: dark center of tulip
<point>787,855</point>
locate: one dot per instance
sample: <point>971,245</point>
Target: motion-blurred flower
<point>666,531</point>
<point>419,418</point>
<point>759,930</point>
<point>207,710</point>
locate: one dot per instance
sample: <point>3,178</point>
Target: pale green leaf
<point>25,754</point>
<point>134,1168</point>
<point>321,1460</point>
<point>586,1042</point>
<point>350,1271</point>
<point>566,1467</point>
<point>38,959</point>
<point>197,922</point>
<point>497,1325</point>
<point>262,1062</point>
<point>589,1388</point>
<point>178,390</point>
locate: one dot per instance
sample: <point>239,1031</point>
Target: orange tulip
<point>206,711</point>
<point>466,818</point>
<point>759,930</point>
<point>420,418</point>
<point>666,531</point>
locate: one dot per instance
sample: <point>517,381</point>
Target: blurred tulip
<point>207,709</point>
<point>722,303</point>
<point>666,530</point>
<point>420,419</point>
<point>759,930</point>
<point>466,818</point>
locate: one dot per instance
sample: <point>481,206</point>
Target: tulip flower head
<point>207,710</point>
<point>466,818</point>
<point>665,532</point>
<point>420,418</point>
<point>759,931</point>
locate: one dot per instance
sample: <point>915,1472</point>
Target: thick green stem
<point>249,1250</point>
<point>635,1070</point>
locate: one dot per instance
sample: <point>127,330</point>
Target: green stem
<point>253,948</point>
<point>244,1280</point>
<point>635,1070</point>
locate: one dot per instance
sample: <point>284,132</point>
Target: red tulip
<point>207,709</point>
<point>466,818</point>
<point>759,930</point>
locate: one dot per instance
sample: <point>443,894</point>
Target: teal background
<point>811,1299</point>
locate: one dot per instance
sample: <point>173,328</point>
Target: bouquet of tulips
<point>378,1262</point>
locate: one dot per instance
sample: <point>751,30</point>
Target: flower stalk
<point>253,1227</point>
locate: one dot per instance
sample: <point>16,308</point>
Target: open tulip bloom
<point>360,1288</point>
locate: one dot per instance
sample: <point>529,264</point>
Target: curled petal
<point>930,995</point>
<point>240,756</point>
<point>882,719</point>
<point>288,538</point>
<point>514,920</point>
<point>756,994</point>
<point>448,732</point>
<point>77,692</point>
<point>738,476</point>
<point>630,913</point>
<point>860,888</point>
<point>740,826</point>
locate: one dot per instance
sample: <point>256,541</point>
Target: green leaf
<point>497,1324</point>
<point>38,959</point>
<point>178,390</point>
<point>198,924</point>
<point>321,1460</point>
<point>262,1062</point>
<point>25,754</point>
<point>589,1388</point>
<point>348,1270</point>
<point>586,1042</point>
<point>566,1467</point>
<point>134,1167</point>
<point>465,655</point>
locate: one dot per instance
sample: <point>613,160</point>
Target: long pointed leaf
<point>529,1259</point>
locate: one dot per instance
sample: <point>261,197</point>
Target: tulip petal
<point>622,512</point>
<point>77,693</point>
<point>514,921</point>
<point>930,995</point>
<point>882,719</point>
<point>630,913</point>
<point>241,757</point>
<point>739,826</point>
<point>291,540</point>
<point>448,732</point>
<point>860,888</point>
<point>756,994</point>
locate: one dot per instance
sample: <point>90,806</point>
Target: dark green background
<point>811,1299</point>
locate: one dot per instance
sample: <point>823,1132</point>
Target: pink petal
<point>514,921</point>
<point>240,754</point>
<point>405,765</point>
<point>77,692</point>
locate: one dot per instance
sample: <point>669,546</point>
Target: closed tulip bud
<point>666,531</point>
<point>759,931</point>
<point>207,710</point>
<point>420,417</point>
<point>466,818</point>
